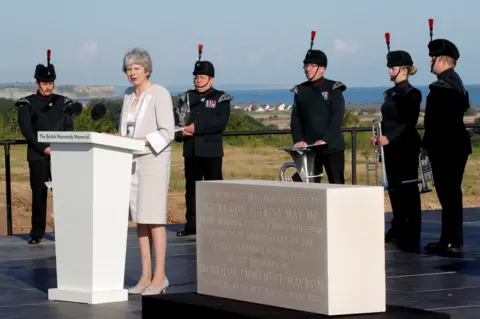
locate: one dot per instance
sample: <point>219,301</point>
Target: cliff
<point>16,91</point>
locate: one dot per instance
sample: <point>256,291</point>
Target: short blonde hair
<point>449,60</point>
<point>140,57</point>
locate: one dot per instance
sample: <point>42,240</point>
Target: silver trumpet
<point>425,168</point>
<point>426,173</point>
<point>303,164</point>
<point>377,132</point>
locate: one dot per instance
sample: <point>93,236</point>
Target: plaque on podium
<point>91,175</point>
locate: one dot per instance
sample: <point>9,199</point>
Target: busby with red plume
<point>315,56</point>
<point>45,73</point>
<point>398,57</point>
<point>441,47</point>
<point>203,67</point>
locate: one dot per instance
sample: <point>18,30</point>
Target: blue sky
<point>250,42</point>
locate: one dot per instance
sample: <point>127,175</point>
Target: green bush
<point>240,121</point>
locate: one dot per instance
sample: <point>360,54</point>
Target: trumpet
<point>426,173</point>
<point>377,132</point>
<point>425,168</point>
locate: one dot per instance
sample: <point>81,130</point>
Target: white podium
<point>91,175</point>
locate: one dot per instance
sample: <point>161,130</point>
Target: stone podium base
<point>86,297</point>
<point>183,304</point>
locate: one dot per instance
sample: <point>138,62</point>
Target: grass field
<point>239,163</point>
<point>282,119</point>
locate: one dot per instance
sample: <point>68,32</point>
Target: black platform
<point>414,280</point>
<point>202,305</point>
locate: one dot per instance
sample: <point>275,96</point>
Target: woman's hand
<point>383,140</point>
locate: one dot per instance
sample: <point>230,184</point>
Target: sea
<point>366,97</point>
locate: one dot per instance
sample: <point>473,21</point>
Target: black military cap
<point>399,58</point>
<point>45,73</point>
<point>444,47</point>
<point>316,57</point>
<point>204,68</point>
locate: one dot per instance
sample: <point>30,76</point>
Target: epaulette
<point>441,84</point>
<point>339,86</point>
<point>456,83</point>
<point>294,89</point>
<point>225,97</point>
<point>21,102</point>
<point>67,100</point>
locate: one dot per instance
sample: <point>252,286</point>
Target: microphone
<point>73,108</point>
<point>98,112</point>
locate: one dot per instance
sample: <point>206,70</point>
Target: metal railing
<point>353,138</point>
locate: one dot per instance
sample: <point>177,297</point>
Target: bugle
<point>302,165</point>
<point>426,173</point>
<point>425,168</point>
<point>377,132</point>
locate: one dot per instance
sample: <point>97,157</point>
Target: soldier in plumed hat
<point>446,140</point>
<point>201,117</point>
<point>401,142</point>
<point>43,111</point>
<point>317,115</point>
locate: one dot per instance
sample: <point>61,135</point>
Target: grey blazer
<point>154,119</point>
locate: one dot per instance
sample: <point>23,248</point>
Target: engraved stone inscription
<point>262,244</point>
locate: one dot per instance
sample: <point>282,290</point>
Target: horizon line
<point>231,86</point>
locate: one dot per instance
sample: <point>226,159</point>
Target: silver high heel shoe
<point>137,290</point>
<point>155,291</point>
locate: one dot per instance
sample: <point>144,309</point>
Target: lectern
<point>91,175</point>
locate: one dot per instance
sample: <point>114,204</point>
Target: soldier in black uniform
<point>447,141</point>
<point>317,116</point>
<point>42,111</point>
<point>205,112</point>
<point>401,142</point>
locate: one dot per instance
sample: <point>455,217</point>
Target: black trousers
<point>448,168</point>
<point>402,170</point>
<point>39,174</point>
<point>334,164</point>
<point>198,169</point>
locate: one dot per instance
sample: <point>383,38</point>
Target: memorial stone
<point>310,247</point>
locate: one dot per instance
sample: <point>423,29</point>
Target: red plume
<point>49,52</point>
<point>430,24</point>
<point>387,39</point>
<point>312,37</point>
<point>200,50</point>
